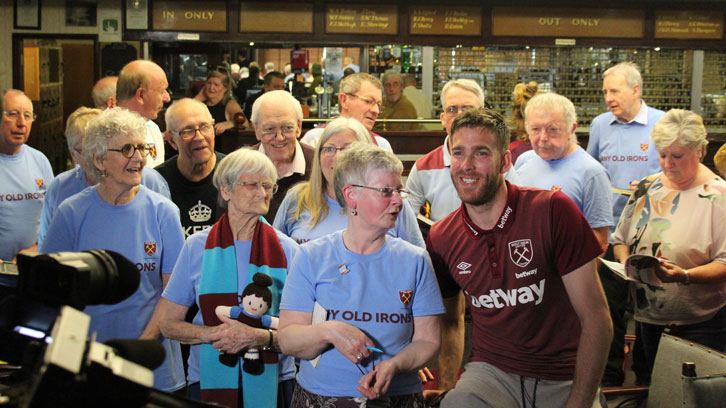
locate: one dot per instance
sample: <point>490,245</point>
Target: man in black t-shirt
<point>190,131</point>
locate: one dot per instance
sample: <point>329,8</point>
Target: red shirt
<point>511,275</point>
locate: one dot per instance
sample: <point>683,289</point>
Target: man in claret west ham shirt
<point>523,260</point>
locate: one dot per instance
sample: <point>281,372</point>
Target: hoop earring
<point>104,173</point>
<point>354,212</point>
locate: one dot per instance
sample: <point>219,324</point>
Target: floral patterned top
<point>687,228</point>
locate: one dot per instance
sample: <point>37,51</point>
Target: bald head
<point>141,88</point>
<point>104,92</point>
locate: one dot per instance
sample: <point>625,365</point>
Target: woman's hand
<point>220,128</point>
<point>233,336</point>
<point>349,341</point>
<point>669,272</point>
<point>376,382</point>
<point>202,94</point>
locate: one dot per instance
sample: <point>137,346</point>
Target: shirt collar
<point>506,218</point>
<point>298,161</point>
<point>641,117</point>
<point>447,154</point>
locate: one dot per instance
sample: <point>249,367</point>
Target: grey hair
<point>341,124</point>
<point>355,165</point>
<point>392,73</point>
<point>269,66</point>
<point>352,83</point>
<point>101,94</point>
<point>104,127</point>
<point>548,101</point>
<point>172,119</point>
<point>466,84</point>
<point>282,97</point>
<point>241,161</point>
<point>629,70</point>
<point>76,124</point>
<point>679,126</point>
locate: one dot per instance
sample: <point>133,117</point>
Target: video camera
<point>51,361</point>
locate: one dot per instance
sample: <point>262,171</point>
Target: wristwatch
<point>688,278</point>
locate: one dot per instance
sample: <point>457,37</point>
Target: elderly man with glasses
<point>429,181</point>
<point>24,176</point>
<point>189,173</point>
<point>277,119</point>
<point>361,99</point>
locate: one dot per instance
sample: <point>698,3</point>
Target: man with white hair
<point>269,67</point>
<point>619,140</point>
<point>557,163</point>
<point>190,131</point>
<point>142,88</point>
<point>349,62</point>
<point>104,92</point>
<point>395,104</point>
<point>429,181</point>
<point>24,177</point>
<point>277,119</point>
<point>360,98</point>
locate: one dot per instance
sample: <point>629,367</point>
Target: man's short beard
<point>487,192</point>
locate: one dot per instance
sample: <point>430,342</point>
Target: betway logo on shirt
<point>501,298</point>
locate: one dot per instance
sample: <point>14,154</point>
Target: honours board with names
<point>444,20</point>
<point>360,19</point>
<point>689,24</point>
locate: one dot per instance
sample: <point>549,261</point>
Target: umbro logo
<point>464,268</point>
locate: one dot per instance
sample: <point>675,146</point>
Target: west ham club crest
<point>405,296</point>
<point>520,252</point>
<point>150,248</point>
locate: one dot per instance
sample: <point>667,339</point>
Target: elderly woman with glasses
<point>310,210</point>
<point>213,270</point>
<point>678,216</point>
<point>120,215</point>
<point>217,95</point>
<point>81,176</point>
<point>361,307</point>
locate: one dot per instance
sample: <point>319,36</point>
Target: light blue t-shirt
<point>24,178</point>
<point>183,288</point>
<point>379,293</point>
<point>73,181</point>
<point>625,150</point>
<point>406,226</point>
<point>577,175</point>
<point>148,232</point>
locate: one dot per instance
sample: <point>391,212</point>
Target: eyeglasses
<point>367,101</point>
<point>255,185</point>
<point>205,129</point>
<point>454,110</point>
<point>331,150</point>
<point>286,130</point>
<point>128,150</point>
<point>386,192</point>
<point>15,114</point>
